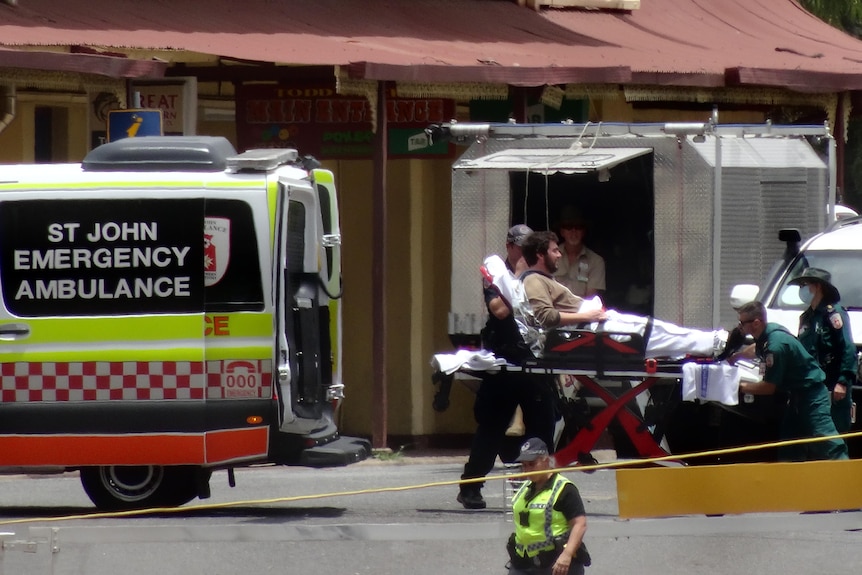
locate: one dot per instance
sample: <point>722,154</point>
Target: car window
<point>845,267</point>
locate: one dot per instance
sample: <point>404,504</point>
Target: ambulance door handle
<point>13,331</point>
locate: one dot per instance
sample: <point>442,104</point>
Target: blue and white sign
<point>134,123</point>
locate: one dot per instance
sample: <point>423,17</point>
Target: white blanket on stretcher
<point>710,382</point>
<point>472,359</point>
<point>716,381</point>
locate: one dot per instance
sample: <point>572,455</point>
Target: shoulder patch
<point>769,359</point>
<point>836,321</point>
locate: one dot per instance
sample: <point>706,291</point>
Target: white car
<point>837,250</point>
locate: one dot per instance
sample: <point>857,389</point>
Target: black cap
<point>532,449</point>
<point>830,292</point>
<point>518,234</point>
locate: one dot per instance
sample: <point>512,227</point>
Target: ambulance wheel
<point>121,487</point>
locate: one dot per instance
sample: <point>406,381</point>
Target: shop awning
<point>551,160</point>
<point>664,42</point>
<point>109,66</point>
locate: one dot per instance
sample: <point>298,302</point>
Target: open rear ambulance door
<point>299,342</point>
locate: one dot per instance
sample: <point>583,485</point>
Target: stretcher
<point>599,362</point>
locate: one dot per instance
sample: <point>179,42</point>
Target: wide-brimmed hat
<point>532,449</point>
<point>830,292</point>
<point>570,217</point>
<point>518,234</point>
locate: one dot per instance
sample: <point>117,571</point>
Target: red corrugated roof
<point>671,42</point>
<point>110,66</point>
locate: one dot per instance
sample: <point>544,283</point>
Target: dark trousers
<point>809,416</point>
<point>496,400</point>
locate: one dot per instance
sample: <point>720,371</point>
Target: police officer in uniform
<point>789,368</point>
<point>550,521</point>
<point>824,330</point>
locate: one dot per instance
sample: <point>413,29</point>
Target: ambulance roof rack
<point>161,154</point>
<point>262,159</point>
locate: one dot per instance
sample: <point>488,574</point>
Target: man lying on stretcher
<point>541,303</point>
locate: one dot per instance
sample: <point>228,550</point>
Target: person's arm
<point>498,308</point>
<point>746,352</point>
<point>540,301</point>
<point>572,318</point>
<point>495,303</point>
<point>578,528</point>
<point>570,504</point>
<point>845,352</point>
<point>546,314</point>
<point>757,388</point>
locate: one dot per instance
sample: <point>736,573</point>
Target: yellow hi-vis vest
<point>544,523</point>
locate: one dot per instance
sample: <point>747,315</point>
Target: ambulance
<point>168,308</point>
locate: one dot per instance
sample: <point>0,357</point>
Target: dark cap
<point>518,234</point>
<point>830,292</point>
<point>532,449</point>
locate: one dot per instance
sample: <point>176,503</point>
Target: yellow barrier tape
<point>581,468</point>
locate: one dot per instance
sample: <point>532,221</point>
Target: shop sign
<point>315,120</point>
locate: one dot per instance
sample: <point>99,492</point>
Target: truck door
<point>303,348</point>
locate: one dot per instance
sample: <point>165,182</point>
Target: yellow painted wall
<point>17,141</point>
<point>11,141</point>
<point>618,110</point>
<point>417,295</point>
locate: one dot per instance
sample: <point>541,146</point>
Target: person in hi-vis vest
<point>549,517</point>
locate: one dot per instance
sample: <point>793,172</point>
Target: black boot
<point>470,497</point>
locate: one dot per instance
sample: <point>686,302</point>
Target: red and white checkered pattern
<point>135,380</point>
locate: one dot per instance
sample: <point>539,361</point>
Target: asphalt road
<point>420,531</point>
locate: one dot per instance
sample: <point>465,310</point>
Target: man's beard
<point>552,265</point>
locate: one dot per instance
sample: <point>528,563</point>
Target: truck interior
<point>618,205</point>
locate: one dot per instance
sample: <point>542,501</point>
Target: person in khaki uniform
<point>580,269</point>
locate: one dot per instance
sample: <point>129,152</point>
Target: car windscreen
<point>845,267</point>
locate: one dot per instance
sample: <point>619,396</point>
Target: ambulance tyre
<point>119,487</point>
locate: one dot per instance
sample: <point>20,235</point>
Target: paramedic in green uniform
<point>788,367</point>
<point>824,330</point>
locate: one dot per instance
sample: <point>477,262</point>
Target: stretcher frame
<point>578,450</point>
<point>636,428</point>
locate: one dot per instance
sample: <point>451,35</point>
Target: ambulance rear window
<point>232,263</point>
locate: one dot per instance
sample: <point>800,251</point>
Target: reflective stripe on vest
<point>544,521</point>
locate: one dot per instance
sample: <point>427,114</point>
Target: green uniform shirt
<point>807,414</point>
<point>825,334</point>
<point>788,365</point>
